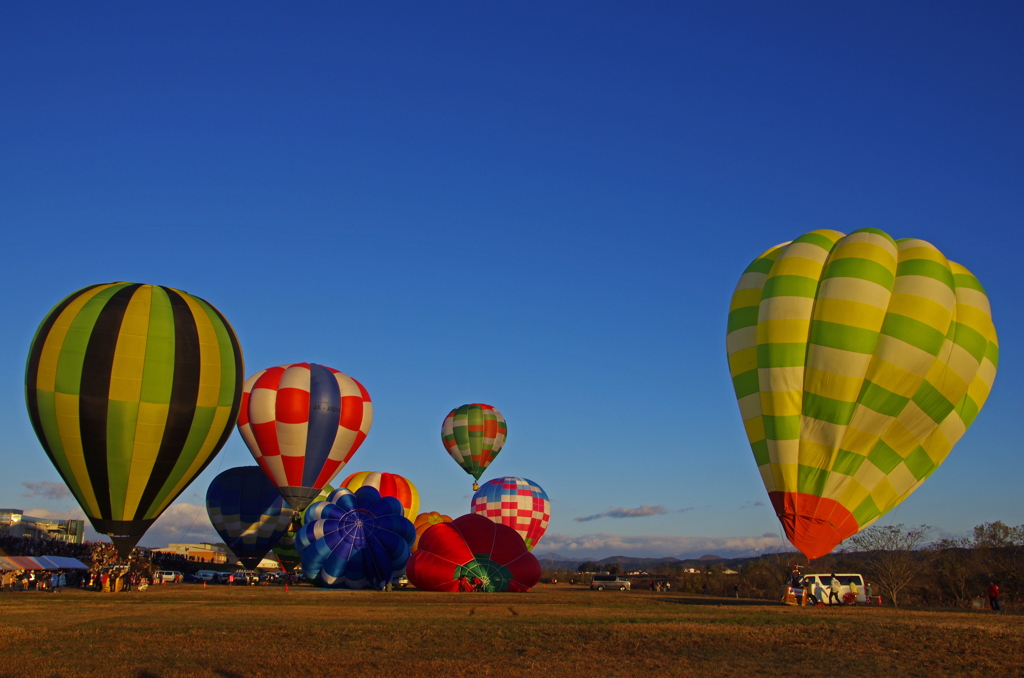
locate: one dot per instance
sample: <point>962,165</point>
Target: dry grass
<point>185,630</point>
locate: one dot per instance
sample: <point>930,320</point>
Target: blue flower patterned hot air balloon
<point>248,512</point>
<point>356,540</point>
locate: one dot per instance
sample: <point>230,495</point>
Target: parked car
<point>600,582</point>
<point>207,575</point>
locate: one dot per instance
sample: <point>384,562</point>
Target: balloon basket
<point>476,486</point>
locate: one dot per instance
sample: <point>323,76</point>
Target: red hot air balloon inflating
<point>471,553</point>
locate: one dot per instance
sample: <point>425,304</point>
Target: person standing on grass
<point>62,581</point>
<point>833,590</point>
<point>736,590</point>
<point>993,597</point>
<point>705,589</point>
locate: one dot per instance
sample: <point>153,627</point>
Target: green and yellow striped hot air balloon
<point>474,435</point>
<point>132,390</point>
<point>858,362</point>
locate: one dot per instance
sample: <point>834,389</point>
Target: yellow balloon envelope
<point>858,362</point>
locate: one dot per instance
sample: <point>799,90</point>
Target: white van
<point>851,589</point>
<point>206,575</point>
<point>167,577</point>
<point>601,582</point>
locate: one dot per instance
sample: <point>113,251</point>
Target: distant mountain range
<point>555,561</point>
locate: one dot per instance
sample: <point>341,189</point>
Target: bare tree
<point>1000,549</point>
<point>956,569</point>
<point>892,554</point>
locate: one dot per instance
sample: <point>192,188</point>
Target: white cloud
<point>180,523</point>
<point>603,545</point>
<point>46,489</point>
<point>72,514</point>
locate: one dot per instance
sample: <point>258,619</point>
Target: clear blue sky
<point>540,207</point>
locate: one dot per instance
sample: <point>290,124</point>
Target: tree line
<point>899,561</point>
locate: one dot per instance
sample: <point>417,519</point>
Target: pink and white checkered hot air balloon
<point>302,423</point>
<point>519,503</point>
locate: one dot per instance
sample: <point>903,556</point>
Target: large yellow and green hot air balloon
<point>858,362</point>
<point>132,390</point>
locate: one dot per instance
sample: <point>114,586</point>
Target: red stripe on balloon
<point>266,467</point>
<point>327,472</point>
<point>293,470</point>
<point>351,413</point>
<point>360,437</point>
<point>292,406</point>
<point>270,379</point>
<point>243,410</point>
<point>266,438</point>
<point>362,391</point>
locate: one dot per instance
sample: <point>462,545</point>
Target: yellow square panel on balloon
<point>894,378</point>
<point>911,427</point>
<point>815,455</point>
<point>767,472</point>
<point>755,428</point>
<point>884,495</point>
<point>822,434</point>
<point>834,386</point>
<point>870,422</point>
<point>744,298</point>
<point>869,475</point>
<point>798,266</point>
<point>904,355</point>
<point>785,308</point>
<point>781,379</point>
<point>785,475</point>
<point>743,361</point>
<point>901,479</point>
<point>784,452</point>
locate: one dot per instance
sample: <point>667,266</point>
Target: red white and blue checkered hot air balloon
<point>302,423</point>
<point>517,502</point>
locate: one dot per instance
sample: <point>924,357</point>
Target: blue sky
<point>541,208</point>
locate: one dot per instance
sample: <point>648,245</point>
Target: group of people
<point>475,584</point>
<point>660,586</point>
<point>41,546</point>
<point>834,587</point>
<point>32,580</point>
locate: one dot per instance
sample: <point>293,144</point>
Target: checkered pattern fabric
<point>517,502</point>
<point>858,362</point>
<point>302,423</point>
<point>474,435</point>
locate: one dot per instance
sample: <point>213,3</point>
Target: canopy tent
<point>41,563</point>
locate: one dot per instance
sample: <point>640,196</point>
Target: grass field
<point>185,630</point>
